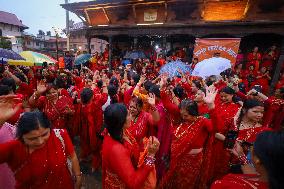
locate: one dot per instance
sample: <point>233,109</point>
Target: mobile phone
<point>230,139</point>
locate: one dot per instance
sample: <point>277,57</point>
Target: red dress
<point>186,170</point>
<point>91,116</point>
<point>57,113</point>
<point>220,163</point>
<point>274,111</point>
<point>118,169</point>
<point>236,181</point>
<point>44,168</point>
<point>143,127</point>
<point>254,59</point>
<point>263,81</point>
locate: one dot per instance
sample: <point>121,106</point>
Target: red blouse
<point>118,169</point>
<point>234,181</point>
<point>44,168</point>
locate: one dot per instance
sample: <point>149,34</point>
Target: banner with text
<point>206,48</point>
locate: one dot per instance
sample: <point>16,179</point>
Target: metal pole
<point>57,47</point>
<point>67,28</point>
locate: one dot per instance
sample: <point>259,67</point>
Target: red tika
<point>44,168</point>
<point>235,181</point>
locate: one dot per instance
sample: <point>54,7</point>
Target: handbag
<point>68,160</point>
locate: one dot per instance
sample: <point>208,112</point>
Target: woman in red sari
<point>254,58</point>
<point>121,152</point>
<point>191,146</point>
<point>262,79</point>
<point>142,123</point>
<point>226,109</point>
<point>247,124</point>
<point>267,159</point>
<point>57,108</point>
<point>38,157</point>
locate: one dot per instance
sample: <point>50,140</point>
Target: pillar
<point>278,67</point>
<point>89,44</point>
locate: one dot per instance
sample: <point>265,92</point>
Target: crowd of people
<point>142,129</point>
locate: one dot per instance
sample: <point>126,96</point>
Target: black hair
<point>60,82</point>
<point>138,101</point>
<point>112,91</point>
<point>21,77</point>
<point>197,83</point>
<point>227,90</point>
<point>147,85</point>
<point>30,121</point>
<point>242,87</point>
<point>114,81</point>
<point>115,116</point>
<point>269,148</point>
<point>44,64</point>
<point>248,104</point>
<point>4,90</point>
<point>155,89</point>
<point>190,106</point>
<point>179,91</point>
<point>100,83</point>
<point>86,95</point>
<point>10,82</point>
<point>135,78</point>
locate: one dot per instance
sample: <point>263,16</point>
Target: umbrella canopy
<point>135,55</point>
<point>37,58</point>
<point>20,63</point>
<point>82,59</point>
<point>211,66</point>
<point>6,54</point>
<point>173,68</point>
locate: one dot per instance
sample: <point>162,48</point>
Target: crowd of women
<point>143,130</point>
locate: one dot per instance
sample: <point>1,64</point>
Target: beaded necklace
<point>179,135</point>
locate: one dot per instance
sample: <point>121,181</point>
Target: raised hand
<point>7,107</point>
<point>142,79</point>
<point>210,96</point>
<point>41,87</point>
<point>151,99</point>
<point>153,146</point>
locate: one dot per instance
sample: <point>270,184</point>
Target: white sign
<point>150,15</point>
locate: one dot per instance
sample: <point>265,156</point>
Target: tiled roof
<point>9,18</point>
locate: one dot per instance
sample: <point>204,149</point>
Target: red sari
<point>44,168</point>
<point>186,170</point>
<point>119,163</point>
<point>57,113</point>
<point>220,162</point>
<point>143,127</point>
<point>236,181</point>
<point>254,59</point>
<point>91,116</point>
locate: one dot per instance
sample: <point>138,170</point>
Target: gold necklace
<point>185,130</point>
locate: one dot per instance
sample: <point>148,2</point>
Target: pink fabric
<point>7,180</point>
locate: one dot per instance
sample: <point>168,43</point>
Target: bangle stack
<point>36,95</point>
<point>77,176</point>
<point>153,108</point>
<point>243,160</point>
<point>149,161</point>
